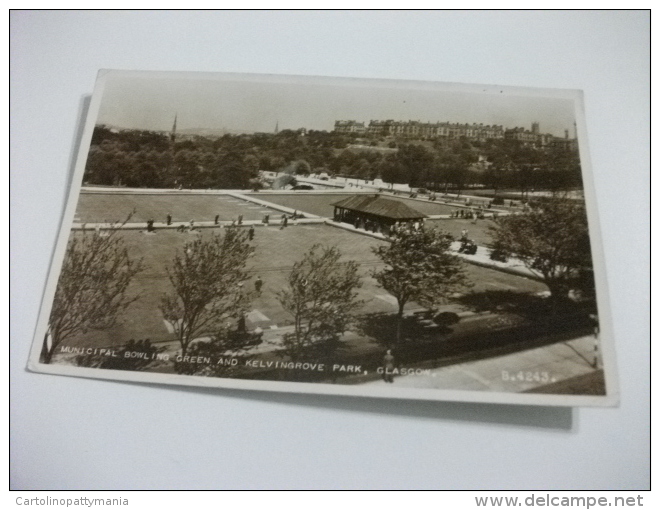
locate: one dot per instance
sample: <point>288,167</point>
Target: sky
<point>257,103</point>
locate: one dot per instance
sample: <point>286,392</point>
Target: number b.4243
<point>527,376</point>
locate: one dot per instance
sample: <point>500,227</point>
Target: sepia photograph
<point>378,238</point>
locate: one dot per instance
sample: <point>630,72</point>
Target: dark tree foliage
<point>321,296</point>
<point>419,267</point>
<point>551,240</point>
<point>207,286</point>
<point>149,159</point>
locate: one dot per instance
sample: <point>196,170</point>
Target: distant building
<point>417,129</point>
<point>349,126</point>
<point>524,136</point>
<point>533,137</point>
<point>566,143</point>
<point>454,131</point>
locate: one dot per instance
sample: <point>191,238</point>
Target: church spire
<point>277,127</point>
<point>173,133</point>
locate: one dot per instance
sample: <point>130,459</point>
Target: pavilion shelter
<point>376,213</point>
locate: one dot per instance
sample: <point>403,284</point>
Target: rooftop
<point>379,206</point>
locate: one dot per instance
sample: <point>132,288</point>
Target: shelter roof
<point>380,206</point>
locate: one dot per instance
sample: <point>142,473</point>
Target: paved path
<point>521,371</point>
<point>481,258</point>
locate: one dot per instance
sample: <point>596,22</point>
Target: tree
<point>391,171</point>
<point>416,161</point>
<point>552,241</point>
<point>420,268</point>
<point>91,290</point>
<point>302,167</point>
<point>322,297</point>
<point>284,180</point>
<point>207,278</point>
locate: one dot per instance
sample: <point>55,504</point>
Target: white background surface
<point>71,433</point>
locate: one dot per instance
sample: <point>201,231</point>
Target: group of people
<point>190,226</point>
<point>401,226</point>
<point>237,221</point>
<point>468,214</point>
<point>216,220</point>
<point>367,224</point>
<point>284,220</point>
<point>468,246</point>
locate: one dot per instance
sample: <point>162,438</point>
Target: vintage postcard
<point>373,238</point>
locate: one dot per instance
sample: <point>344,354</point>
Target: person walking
<point>217,217</point>
<point>388,367</point>
<point>258,284</point>
<point>169,219</point>
<point>241,327</point>
<point>251,233</point>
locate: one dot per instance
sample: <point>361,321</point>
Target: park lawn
<point>113,207</point>
<point>142,319</point>
<point>321,204</point>
<point>478,230</point>
<point>276,252</point>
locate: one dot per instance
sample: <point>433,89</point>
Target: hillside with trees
<point>135,158</point>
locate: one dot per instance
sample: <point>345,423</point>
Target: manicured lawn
<point>477,231</point>
<point>276,252</point>
<point>97,207</point>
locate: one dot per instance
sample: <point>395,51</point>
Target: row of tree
<point>148,159</point>
<point>322,294</point>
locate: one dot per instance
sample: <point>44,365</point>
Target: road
<point>517,372</point>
